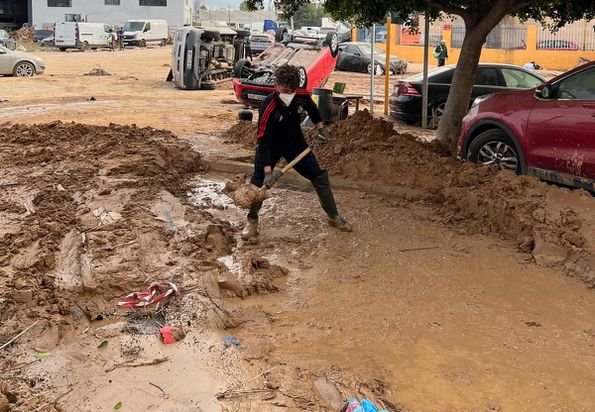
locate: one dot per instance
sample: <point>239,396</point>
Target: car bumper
<point>406,108</point>
<point>251,95</point>
<point>40,69</point>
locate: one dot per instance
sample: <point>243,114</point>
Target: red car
<point>316,60</point>
<point>548,131</point>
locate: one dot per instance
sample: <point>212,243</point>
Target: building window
<point>59,3</point>
<point>112,2</point>
<point>162,3</point>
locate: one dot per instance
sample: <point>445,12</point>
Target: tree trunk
<point>463,80</point>
<point>479,21</point>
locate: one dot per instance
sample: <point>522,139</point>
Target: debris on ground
<point>24,35</point>
<point>171,334</point>
<point>156,293</point>
<point>98,71</point>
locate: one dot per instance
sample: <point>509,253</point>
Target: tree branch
<point>441,5</point>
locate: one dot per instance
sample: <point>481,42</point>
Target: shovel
<point>247,194</point>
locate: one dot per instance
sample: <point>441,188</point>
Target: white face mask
<point>286,98</point>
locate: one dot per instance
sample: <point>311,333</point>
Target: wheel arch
<point>493,124</point>
<point>24,61</point>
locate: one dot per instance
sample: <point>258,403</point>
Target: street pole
<point>424,99</point>
<point>387,65</point>
<point>373,70</point>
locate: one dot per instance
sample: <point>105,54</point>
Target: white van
<point>83,36</point>
<point>142,32</point>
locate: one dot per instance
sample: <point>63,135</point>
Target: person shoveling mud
<point>280,135</point>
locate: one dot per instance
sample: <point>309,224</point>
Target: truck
<point>143,32</point>
<point>82,36</point>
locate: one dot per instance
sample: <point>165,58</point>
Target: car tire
<point>303,77</point>
<point>279,34</point>
<point>332,40</point>
<point>163,42</point>
<point>208,85</point>
<point>62,49</point>
<point>24,69</point>
<point>495,147</point>
<point>242,69</point>
<point>210,35</point>
<point>142,43</point>
<point>245,115</point>
<point>85,46</point>
<point>379,71</point>
<point>241,34</point>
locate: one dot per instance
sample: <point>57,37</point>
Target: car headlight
<point>480,99</point>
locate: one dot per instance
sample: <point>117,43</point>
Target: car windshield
<point>134,26</point>
<point>3,34</point>
<point>367,49</point>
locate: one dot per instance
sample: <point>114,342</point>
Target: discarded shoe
<point>340,223</point>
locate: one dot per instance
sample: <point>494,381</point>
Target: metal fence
<point>567,38</point>
<point>507,37</point>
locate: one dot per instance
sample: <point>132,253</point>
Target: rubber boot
<point>327,201</point>
<point>251,230</point>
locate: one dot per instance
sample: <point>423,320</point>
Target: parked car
<point>82,36</point>
<point>357,57</point>
<point>254,80</point>
<point>19,64</point>
<point>40,35</point>
<point>143,32</point>
<point>558,45</point>
<point>260,42</point>
<point>547,131</point>
<point>406,100</point>
<point>6,41</point>
<point>343,35</point>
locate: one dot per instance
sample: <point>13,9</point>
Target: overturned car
<point>202,56</point>
<point>315,59</point>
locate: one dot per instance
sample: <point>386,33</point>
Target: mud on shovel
<point>247,194</point>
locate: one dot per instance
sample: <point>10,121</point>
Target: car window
<point>487,76</point>
<point>148,27</point>
<point>442,78</point>
<point>578,86</point>
<point>352,50</point>
<point>520,79</point>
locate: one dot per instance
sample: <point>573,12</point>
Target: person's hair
<point>287,76</point>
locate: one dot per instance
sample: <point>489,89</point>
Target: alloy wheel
<point>498,154</point>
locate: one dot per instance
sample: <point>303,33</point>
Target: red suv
<point>548,131</point>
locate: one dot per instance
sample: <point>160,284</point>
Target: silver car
<point>19,64</point>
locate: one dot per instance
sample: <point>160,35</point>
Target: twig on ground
<point>136,365</point>
<point>238,392</point>
<point>158,387</point>
<point>415,249</point>
<point>19,335</point>
<point>23,365</point>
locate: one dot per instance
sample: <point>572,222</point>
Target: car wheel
<point>242,69</point>
<point>378,70</point>
<point>495,148</point>
<point>143,43</point>
<point>303,77</point>
<point>208,85</point>
<point>85,46</point>
<point>333,43</point>
<point>436,111</point>
<point>62,49</point>
<point>163,42</point>
<point>280,34</point>
<point>241,34</point>
<point>24,69</point>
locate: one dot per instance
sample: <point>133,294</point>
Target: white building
<point>45,13</point>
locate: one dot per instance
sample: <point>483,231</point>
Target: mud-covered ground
<point>460,289</point>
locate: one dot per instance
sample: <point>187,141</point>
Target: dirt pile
<point>98,71</point>
<point>551,223</point>
<point>24,35</point>
<point>242,133</point>
<point>89,214</point>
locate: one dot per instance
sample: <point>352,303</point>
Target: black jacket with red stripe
<point>279,130</point>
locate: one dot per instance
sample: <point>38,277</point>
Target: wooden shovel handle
<point>299,157</point>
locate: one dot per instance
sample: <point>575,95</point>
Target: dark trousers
<point>441,61</point>
<point>307,167</point>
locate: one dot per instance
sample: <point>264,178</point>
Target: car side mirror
<point>546,92</point>
<point>356,54</point>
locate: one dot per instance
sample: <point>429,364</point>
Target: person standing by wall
<point>441,53</point>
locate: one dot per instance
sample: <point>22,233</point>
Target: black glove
<point>323,136</point>
<point>268,180</point>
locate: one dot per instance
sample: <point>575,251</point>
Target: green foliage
<point>308,15</point>
<point>244,6</point>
